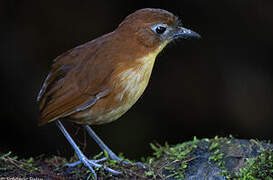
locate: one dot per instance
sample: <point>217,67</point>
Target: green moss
<point>177,158</point>
<point>218,157</point>
<point>178,155</point>
<point>150,173</point>
<point>25,164</point>
<point>214,149</point>
<point>257,168</point>
<point>231,156</point>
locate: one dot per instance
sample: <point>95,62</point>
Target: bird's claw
<point>141,165</point>
<point>135,163</point>
<point>79,162</point>
<point>91,164</point>
<point>116,158</point>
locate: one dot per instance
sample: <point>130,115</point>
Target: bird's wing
<point>68,87</point>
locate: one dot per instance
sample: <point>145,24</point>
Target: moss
<point>27,165</point>
<point>257,168</point>
<point>217,158</point>
<point>150,173</point>
<point>225,156</point>
<point>175,164</point>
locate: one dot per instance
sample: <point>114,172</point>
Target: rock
<point>214,159</point>
<point>199,159</point>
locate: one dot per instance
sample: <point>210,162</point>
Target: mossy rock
<point>199,159</point>
<point>215,159</point>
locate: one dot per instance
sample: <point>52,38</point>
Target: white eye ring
<point>160,28</point>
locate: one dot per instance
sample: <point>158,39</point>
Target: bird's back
<point>70,83</point>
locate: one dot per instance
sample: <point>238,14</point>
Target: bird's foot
<point>113,156</point>
<point>135,163</point>
<point>91,164</point>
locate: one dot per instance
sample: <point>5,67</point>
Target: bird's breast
<point>134,80</point>
<point>130,83</point>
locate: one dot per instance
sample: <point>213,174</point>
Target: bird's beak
<point>185,34</point>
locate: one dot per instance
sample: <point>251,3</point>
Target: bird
<point>97,82</point>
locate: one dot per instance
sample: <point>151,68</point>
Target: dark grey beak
<point>186,34</point>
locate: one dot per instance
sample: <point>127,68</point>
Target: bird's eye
<point>159,28</point>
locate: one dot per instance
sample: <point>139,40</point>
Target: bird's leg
<point>103,146</point>
<point>90,164</point>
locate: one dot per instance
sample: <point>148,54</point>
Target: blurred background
<point>219,85</point>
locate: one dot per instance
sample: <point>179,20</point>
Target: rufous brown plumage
<point>97,82</point>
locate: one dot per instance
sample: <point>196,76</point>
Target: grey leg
<point>88,163</point>
<point>101,144</point>
<point>112,155</point>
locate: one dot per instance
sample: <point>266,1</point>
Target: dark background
<point>219,85</point>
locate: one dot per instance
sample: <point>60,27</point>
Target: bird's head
<point>155,27</point>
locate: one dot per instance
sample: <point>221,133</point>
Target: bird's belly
<point>129,89</point>
<point>128,86</point>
